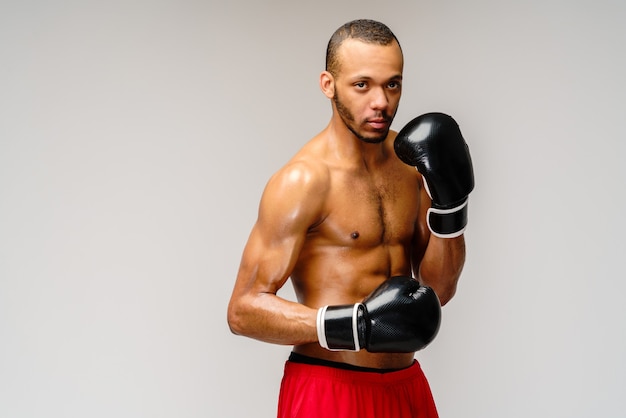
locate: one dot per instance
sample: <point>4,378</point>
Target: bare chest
<point>365,211</point>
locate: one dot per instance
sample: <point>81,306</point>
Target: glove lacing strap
<point>448,223</point>
<point>321,328</point>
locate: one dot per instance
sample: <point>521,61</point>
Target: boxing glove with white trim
<point>400,316</point>
<point>434,145</point>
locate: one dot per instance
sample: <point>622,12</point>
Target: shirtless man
<point>343,216</point>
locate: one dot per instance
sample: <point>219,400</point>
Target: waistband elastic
<point>355,376</point>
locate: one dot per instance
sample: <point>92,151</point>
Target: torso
<point>363,236</point>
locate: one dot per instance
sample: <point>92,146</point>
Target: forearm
<point>442,264</point>
<point>269,318</point>
<point>433,143</point>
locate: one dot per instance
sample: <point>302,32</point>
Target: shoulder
<point>296,193</point>
<point>300,176</point>
<point>307,171</point>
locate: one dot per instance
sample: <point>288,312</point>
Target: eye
<point>394,85</point>
<point>360,84</point>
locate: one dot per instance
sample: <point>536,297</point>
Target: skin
<point>342,216</point>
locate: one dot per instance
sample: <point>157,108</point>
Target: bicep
<point>289,206</point>
<point>267,260</point>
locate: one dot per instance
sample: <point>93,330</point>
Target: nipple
<point>354,235</point>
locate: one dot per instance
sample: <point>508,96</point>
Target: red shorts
<point>328,392</point>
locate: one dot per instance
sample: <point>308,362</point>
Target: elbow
<point>445,293</point>
<point>243,315</point>
<point>445,289</point>
<point>234,319</point>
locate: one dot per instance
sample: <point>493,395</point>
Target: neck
<point>347,146</point>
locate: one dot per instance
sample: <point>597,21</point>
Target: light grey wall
<point>136,138</point>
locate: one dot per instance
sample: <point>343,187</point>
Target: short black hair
<point>365,30</point>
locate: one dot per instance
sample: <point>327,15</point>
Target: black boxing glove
<point>434,145</point>
<point>400,316</point>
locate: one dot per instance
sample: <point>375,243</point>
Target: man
<point>341,218</point>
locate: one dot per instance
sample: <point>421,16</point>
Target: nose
<point>379,99</point>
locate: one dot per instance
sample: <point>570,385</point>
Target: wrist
<point>447,222</point>
<point>338,327</point>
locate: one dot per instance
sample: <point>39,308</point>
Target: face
<point>367,89</point>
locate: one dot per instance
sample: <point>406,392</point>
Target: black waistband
<point>300,358</point>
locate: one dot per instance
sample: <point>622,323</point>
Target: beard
<point>350,121</point>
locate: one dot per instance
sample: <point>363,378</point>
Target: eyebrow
<point>365,77</point>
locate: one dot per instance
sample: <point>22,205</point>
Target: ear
<point>327,84</point>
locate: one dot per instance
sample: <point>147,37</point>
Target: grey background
<point>135,141</point>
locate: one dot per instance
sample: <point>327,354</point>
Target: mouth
<point>378,124</point>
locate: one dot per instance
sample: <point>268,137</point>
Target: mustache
<point>383,117</point>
